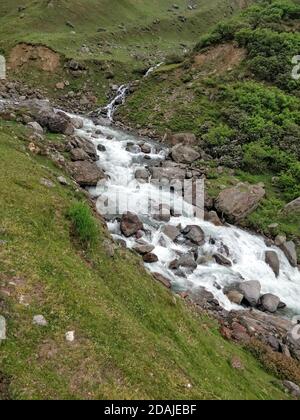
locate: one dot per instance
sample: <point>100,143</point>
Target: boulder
<point>272,259</point>
<point>77,123</point>
<point>186,139</point>
<point>36,127</point>
<point>150,258</point>
<point>162,279</point>
<point>171,231</point>
<point>184,154</point>
<point>171,173</point>
<point>185,261</point>
<point>239,201</point>
<point>163,213</point>
<point>130,224</point>
<point>40,321</point>
<point>269,303</point>
<point>143,249</point>
<point>235,297</point>
<point>201,297</point>
<point>213,218</point>
<point>293,389</point>
<point>194,234</point>
<point>293,207</point>
<point>221,260</point>
<point>146,148</point>
<point>78,154</point>
<point>55,122</point>
<point>249,289</point>
<point>85,173</point>
<point>101,148</point>
<point>142,174</point>
<point>289,249</point>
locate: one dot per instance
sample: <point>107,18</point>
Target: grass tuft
<point>85,227</point>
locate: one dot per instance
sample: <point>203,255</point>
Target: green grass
<point>133,338</point>
<point>85,227</point>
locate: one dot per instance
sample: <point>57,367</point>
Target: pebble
<point>40,320</point>
<point>70,336</point>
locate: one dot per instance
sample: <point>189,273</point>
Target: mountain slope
<point>133,338</point>
<point>237,94</point>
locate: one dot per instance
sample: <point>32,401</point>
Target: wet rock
<point>169,173</point>
<point>85,173</point>
<point>150,258</point>
<point>2,328</point>
<point>40,321</point>
<point>77,123</point>
<point>201,297</point>
<point>143,249</point>
<point>142,174</point>
<point>101,148</point>
<point>269,303</point>
<point>240,201</point>
<point>171,231</point>
<point>130,224</point>
<point>213,218</point>
<point>272,259</point>
<point>162,279</point>
<point>146,148</point>
<point>235,297</point>
<point>185,261</point>
<point>220,259</point>
<point>293,389</point>
<point>163,213</point>
<point>194,234</point>
<point>133,148</point>
<point>280,240</point>
<point>184,154</point>
<point>78,155</point>
<point>289,249</point>
<point>249,289</point>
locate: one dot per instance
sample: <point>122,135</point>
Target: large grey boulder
<point>185,261</point>
<point>171,173</point>
<point>86,174</point>
<point>194,234</point>
<point>290,251</point>
<point>130,224</point>
<point>78,154</point>
<point>184,154</point>
<point>249,289</point>
<point>171,231</point>
<point>238,202</point>
<point>55,122</point>
<point>269,303</point>
<point>272,259</point>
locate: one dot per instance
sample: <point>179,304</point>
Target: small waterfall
<point>153,68</point>
<point>118,100</point>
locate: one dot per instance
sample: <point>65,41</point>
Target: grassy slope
<point>187,97</point>
<point>133,338</point>
<point>40,23</point>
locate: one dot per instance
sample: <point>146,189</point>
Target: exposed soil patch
<point>219,59</point>
<point>39,56</point>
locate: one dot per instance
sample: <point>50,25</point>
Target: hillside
<point>133,339</point>
<point>114,41</point>
<point>236,93</point>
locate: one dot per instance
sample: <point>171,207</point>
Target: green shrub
<point>84,225</point>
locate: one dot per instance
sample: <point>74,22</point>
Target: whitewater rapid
<point>246,250</point>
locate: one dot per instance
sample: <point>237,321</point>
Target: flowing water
<point>246,250</point>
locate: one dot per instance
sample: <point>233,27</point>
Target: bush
<point>84,225</point>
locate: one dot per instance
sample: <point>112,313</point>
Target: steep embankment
<point>237,95</point>
<point>110,39</point>
<point>133,338</point>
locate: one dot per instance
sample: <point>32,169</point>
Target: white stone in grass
<point>2,328</point>
<point>70,336</point>
<point>40,320</point>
